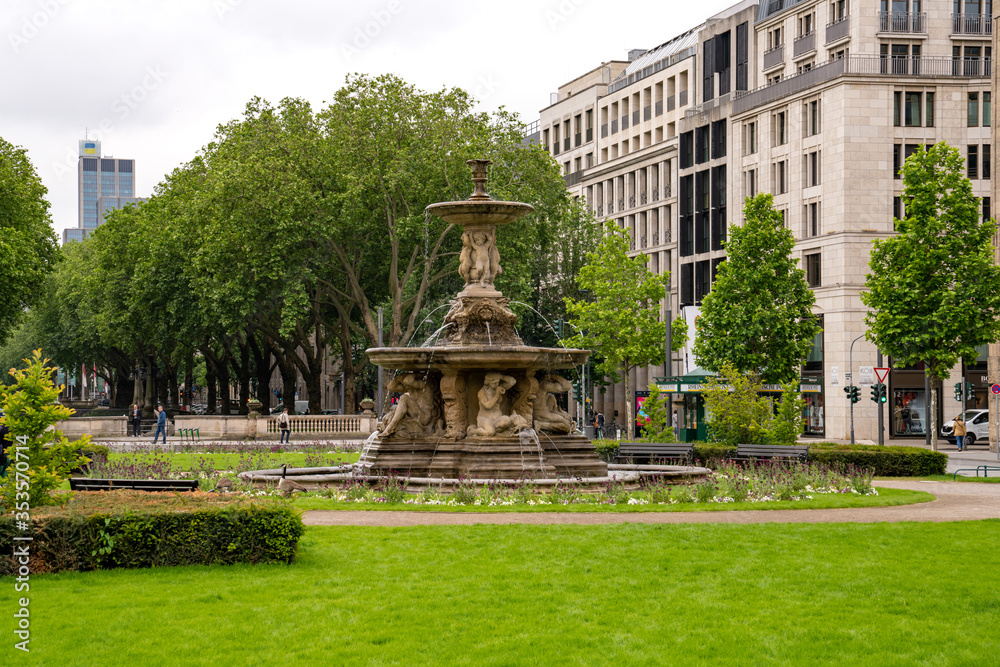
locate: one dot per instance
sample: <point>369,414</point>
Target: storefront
<point>693,417</point>
<point>908,399</point>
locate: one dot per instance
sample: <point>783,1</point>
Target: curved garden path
<point>956,501</point>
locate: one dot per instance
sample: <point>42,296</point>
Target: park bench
<point>89,484</point>
<point>637,452</point>
<point>771,453</point>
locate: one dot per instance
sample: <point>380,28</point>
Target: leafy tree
<point>786,426</point>
<point>739,413</point>
<point>678,334</point>
<point>28,247</point>
<point>758,316</point>
<point>934,290</point>
<point>621,319</point>
<point>30,410</point>
<point>657,408</point>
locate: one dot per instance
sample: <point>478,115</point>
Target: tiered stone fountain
<point>480,403</point>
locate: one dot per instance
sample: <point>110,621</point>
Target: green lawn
<point>802,594</point>
<point>885,498</point>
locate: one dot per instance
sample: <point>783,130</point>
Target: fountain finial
<point>479,178</point>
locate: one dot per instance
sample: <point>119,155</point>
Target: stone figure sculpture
<point>479,261</point>
<point>417,412</point>
<point>491,419</point>
<point>548,415</point>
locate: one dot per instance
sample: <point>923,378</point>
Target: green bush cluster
<point>255,532</point>
<point>882,460</point>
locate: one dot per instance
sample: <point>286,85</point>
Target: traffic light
<point>969,389</point>
<point>577,392</point>
<point>559,327</point>
<point>852,393</point>
<point>875,393</point>
<point>958,392</point>
<point>880,393</point>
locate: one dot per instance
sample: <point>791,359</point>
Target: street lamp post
<point>850,366</point>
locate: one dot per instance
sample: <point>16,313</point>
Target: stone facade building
<point>817,102</point>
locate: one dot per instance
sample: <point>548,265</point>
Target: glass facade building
<point>105,184</point>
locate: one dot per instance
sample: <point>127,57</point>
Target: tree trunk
<point>350,372</point>
<point>138,388</point>
<point>932,425</point>
<point>630,419</point>
<point>288,377</point>
<point>242,370</point>
<point>262,368</point>
<point>188,380</point>
<point>123,390</point>
<point>212,399</point>
<point>223,380</point>
<point>173,389</point>
<point>149,393</point>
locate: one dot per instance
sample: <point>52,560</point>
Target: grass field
<point>803,594</point>
<point>885,498</point>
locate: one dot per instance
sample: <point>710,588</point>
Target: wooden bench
<point>635,452</point>
<point>90,484</point>
<point>771,453</point>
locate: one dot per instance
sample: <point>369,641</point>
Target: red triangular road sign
<point>881,374</point>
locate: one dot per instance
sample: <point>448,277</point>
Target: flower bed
<point>730,483</point>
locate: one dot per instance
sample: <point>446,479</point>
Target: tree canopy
<point>933,290</point>
<point>28,248</point>
<point>758,316</point>
<point>620,319</point>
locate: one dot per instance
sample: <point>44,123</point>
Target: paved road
<point>956,501</point>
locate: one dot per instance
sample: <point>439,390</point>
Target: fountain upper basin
<point>487,212</point>
<point>476,357</point>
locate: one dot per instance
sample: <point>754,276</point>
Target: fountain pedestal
<point>480,403</point>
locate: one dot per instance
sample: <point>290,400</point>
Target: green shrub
<point>882,460</point>
<point>710,455</point>
<point>606,449</point>
<point>200,533</point>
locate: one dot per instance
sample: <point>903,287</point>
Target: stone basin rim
<point>473,357</point>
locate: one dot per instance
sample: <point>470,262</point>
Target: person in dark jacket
<point>136,418</point>
<point>161,425</point>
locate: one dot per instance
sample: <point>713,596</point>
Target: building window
<point>701,144</point>
<point>973,109</point>
<point>911,109</point>
<point>897,211</point>
<point>986,162</point>
<point>986,209</point>
<point>751,182</point>
<point>987,115</point>
<point>972,163</point>
<point>811,168</point>
<point>750,138</point>
<point>810,221</point>
<point>779,177</point>
<point>900,153</point>
<point>907,106</point>
<point>813,276</point>
<point>929,112</point>
<point>779,122</point>
<point>687,149</point>
<point>718,139</point>
<point>812,118</point>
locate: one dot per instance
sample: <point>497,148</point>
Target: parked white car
<point>977,427</point>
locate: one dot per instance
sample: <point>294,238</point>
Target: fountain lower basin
<point>483,357</point>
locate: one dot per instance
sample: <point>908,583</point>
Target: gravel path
<point>956,501</point>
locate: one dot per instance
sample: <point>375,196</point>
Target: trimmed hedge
<point>882,460</point>
<point>160,534</point>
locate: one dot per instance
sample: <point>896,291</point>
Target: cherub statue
<point>491,419</point>
<point>548,415</point>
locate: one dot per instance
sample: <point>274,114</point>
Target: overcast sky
<point>153,78</point>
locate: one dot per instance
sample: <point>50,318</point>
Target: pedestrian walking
<point>161,425</point>
<point>136,419</point>
<point>959,432</point>
<point>284,425</point>
<point>673,422</point>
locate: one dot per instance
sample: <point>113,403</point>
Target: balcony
<point>839,29</point>
<point>573,178</point>
<point>903,22</point>
<point>863,65</point>
<point>971,24</point>
<point>804,44</point>
<point>774,57</point>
